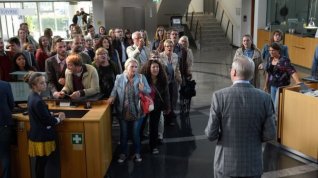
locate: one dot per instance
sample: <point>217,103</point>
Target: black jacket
<point>6,104</point>
<point>41,121</point>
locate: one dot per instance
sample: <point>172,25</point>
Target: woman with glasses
<point>160,37</point>
<point>107,71</point>
<point>279,70</point>
<point>170,60</point>
<point>104,42</point>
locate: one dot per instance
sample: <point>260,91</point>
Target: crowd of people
<point>118,64</point>
<point>273,60</point>
<point>121,64</point>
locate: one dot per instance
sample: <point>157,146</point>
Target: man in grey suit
<point>241,118</point>
<point>55,67</point>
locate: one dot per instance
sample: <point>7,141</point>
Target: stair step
<point>223,42</point>
<point>212,34</point>
<point>215,48</point>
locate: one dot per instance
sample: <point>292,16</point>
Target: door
<point>134,18</point>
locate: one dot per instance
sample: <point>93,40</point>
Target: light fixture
<point>311,23</point>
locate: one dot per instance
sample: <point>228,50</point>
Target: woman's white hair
<point>186,39</point>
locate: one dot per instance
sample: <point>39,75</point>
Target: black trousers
<point>40,165</point>
<point>5,140</point>
<point>154,118</point>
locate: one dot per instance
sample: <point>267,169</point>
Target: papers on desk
<point>312,93</point>
<point>310,79</point>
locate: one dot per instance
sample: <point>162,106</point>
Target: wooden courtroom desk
<point>84,143</point>
<point>298,121</point>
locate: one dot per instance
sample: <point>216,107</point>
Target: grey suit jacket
<point>53,71</point>
<point>241,118</point>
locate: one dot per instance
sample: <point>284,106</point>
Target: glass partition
<point>291,16</point>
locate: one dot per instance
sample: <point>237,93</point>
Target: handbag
<point>146,103</point>
<point>188,89</point>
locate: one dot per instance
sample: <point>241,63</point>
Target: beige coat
<point>257,59</point>
<point>90,81</point>
<point>175,64</point>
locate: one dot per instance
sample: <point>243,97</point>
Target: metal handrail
<point>198,27</point>
<point>228,22</point>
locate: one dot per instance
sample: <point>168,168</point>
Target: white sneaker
<point>138,158</point>
<point>155,151</point>
<point>122,158</point>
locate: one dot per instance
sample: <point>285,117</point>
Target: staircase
<point>212,33</point>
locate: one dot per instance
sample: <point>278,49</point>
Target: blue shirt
<point>248,53</point>
<point>314,67</point>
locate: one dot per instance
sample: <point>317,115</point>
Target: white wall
<point>196,6</point>
<point>234,9</point>
<point>260,16</point>
<point>98,14</point>
<point>246,11</point>
<point>114,11</point>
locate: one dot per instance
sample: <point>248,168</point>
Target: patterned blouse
<point>279,74</point>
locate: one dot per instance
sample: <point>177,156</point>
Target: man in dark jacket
<point>6,123</point>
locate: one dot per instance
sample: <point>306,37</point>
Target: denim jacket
<point>119,89</point>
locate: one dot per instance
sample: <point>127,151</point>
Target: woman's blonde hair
<point>100,50</point>
<point>168,42</point>
<point>130,60</point>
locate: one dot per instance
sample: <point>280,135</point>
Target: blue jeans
<point>136,125</point>
<point>274,95</point>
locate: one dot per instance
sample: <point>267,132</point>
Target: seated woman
<point>20,64</point>
<point>107,71</point>
<point>80,79</point>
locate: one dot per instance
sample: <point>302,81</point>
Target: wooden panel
<point>98,149</point>
<point>70,126</point>
<point>263,37</point>
<point>22,138</point>
<point>301,49</point>
<point>73,162</point>
<point>300,121</point>
<point>95,150</point>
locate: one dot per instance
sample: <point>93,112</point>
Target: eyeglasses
<point>154,58</point>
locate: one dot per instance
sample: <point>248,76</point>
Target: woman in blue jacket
<point>126,92</point>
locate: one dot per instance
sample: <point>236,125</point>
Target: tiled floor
<point>186,153</point>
